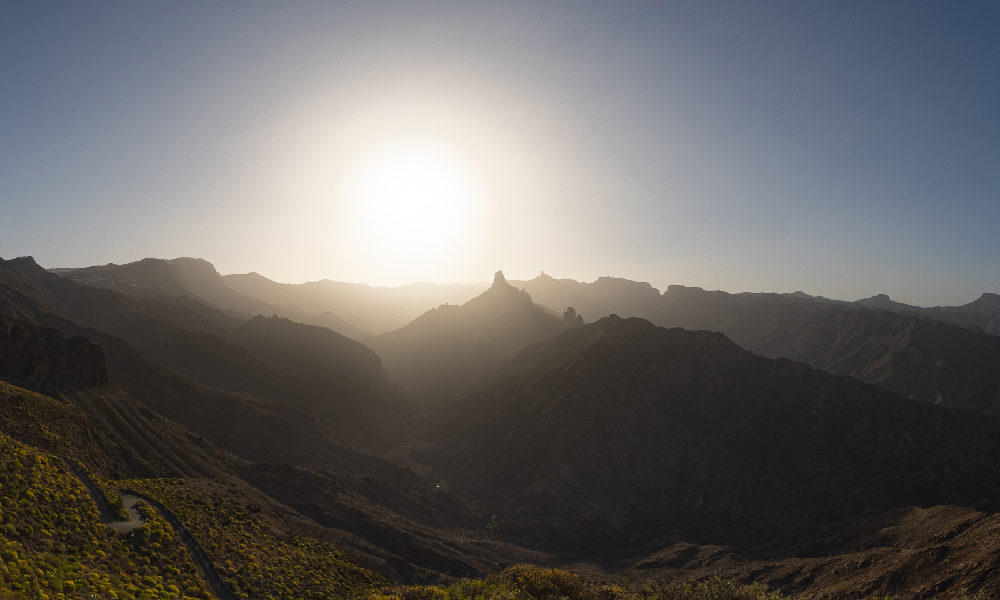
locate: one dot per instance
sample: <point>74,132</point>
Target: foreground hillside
<point>54,542</point>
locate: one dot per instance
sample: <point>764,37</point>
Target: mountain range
<point>817,446</point>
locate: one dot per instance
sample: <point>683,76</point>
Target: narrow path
<point>108,516</point>
<point>204,564</point>
<point>136,519</point>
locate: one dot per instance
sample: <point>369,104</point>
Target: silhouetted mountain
<point>169,286</point>
<point>611,295</point>
<point>560,294</point>
<point>618,433</point>
<point>375,310</point>
<point>985,303</point>
<point>605,296</point>
<point>885,303</point>
<point>441,353</point>
<point>983,312</point>
<point>154,277</point>
<point>922,359</point>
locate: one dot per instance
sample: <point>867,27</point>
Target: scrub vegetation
<point>53,544</point>
<point>247,545</point>
<point>527,582</point>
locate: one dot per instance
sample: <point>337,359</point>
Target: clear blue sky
<point>840,148</point>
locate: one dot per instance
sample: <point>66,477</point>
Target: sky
<point>839,148</point>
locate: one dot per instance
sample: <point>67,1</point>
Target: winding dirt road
<point>130,499</point>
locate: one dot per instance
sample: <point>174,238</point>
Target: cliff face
<point>39,354</point>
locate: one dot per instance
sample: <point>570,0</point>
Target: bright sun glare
<point>413,205</point>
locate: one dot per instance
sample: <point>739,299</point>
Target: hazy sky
<point>840,148</point>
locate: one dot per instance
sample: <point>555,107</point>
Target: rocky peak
<point>987,302</point>
<point>571,319</point>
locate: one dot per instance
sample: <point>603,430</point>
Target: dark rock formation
<point>41,355</point>
<point>571,319</point>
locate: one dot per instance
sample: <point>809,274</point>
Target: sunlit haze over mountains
<point>844,149</point>
<point>499,300</point>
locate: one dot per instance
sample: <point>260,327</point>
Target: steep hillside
<point>922,359</point>
<point>619,433</point>
<point>440,354</point>
<point>107,430</point>
<point>81,415</point>
<point>342,381</point>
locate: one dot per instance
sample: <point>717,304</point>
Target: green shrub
<point>527,582</point>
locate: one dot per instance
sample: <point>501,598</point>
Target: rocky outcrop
<point>40,355</point>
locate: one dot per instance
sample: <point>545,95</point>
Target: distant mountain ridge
<point>157,280</point>
<point>984,312</point>
<point>612,295</point>
<point>924,359</point>
<point>375,310</point>
<point>592,301</point>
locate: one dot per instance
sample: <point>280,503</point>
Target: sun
<point>413,206</point>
